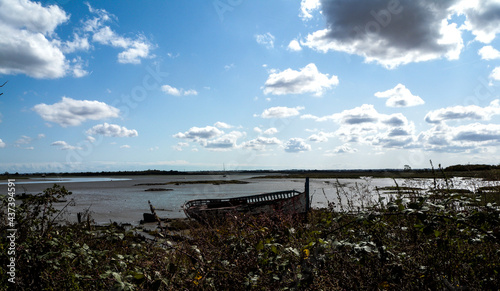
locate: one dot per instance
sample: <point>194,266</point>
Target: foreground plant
<point>419,239</point>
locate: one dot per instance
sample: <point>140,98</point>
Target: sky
<point>243,85</point>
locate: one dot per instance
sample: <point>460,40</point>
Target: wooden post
<point>307,195</point>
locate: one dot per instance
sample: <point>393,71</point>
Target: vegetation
<point>432,239</point>
<point>490,172</point>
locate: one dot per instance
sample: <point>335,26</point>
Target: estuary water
<point>124,199</point>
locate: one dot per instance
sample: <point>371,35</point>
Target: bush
<point>418,239</point>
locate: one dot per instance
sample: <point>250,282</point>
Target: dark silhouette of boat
<point>285,202</point>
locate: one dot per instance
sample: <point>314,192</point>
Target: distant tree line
<point>474,167</point>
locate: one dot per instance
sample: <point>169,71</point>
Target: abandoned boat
<point>286,202</point>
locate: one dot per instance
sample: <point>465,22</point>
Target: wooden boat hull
<point>285,202</point>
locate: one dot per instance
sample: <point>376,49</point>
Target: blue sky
<point>196,85</point>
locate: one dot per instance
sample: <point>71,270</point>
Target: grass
<point>413,240</point>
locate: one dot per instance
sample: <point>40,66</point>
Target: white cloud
<point>177,92</point>
<point>180,146</point>
<point>343,149</point>
<point>224,142</point>
<point>210,137</point>
<point>152,149</point>
<point>464,138</point>
<point>295,145</point>
<point>400,96</point>
<point>170,90</point>
<point>24,140</point>
<point>71,112</point>
<point>2,144</point>
<point>78,43</point>
<point>281,112</point>
<point>28,44</point>
<point>483,18</point>
<point>134,49</point>
<point>320,136</point>
<point>229,67</point>
<point>190,92</point>
<point>489,53</point>
<point>306,80</point>
<point>495,74</point>
<point>266,40</point>
<point>220,124</point>
<point>111,130</point>
<point>294,45</point>
<point>65,146</point>
<point>261,143</point>
<point>271,131</point>
<point>307,7</point>
<point>464,112</point>
<point>200,133</point>
<point>125,146</point>
<point>389,33</point>
<point>77,68</point>
<point>364,124</point>
<point>137,50</point>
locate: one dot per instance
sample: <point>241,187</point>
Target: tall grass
<point>419,236</point>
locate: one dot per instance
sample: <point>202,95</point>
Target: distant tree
<point>407,168</point>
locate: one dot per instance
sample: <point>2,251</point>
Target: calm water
<point>121,199</point>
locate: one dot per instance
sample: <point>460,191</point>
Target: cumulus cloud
<point>364,124</point>
<point>320,136</point>
<point>220,124</point>
<point>390,33</point>
<point>65,146</point>
<point>307,7</point>
<point>111,130</point>
<point>261,143</point>
<point>270,131</point>
<point>495,74</point>
<point>177,92</point>
<point>125,146</point>
<point>482,18</point>
<point>294,45</point>
<point>464,112</point>
<point>295,145</point>
<point>400,96</point>
<point>2,144</point>
<point>224,142</point>
<point>281,112</point>
<point>197,133</point>
<point>266,39</point>
<point>210,137</point>
<point>462,138</point>
<point>28,44</point>
<point>489,53</point>
<point>306,80</point>
<point>71,112</point>
<point>343,149</point>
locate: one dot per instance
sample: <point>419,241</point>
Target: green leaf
<point>260,246</point>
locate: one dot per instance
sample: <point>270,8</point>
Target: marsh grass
<point>420,236</point>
